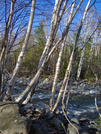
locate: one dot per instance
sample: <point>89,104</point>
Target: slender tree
<point>35,80</point>
<point>58,65</point>
<point>67,74</point>
<point>21,55</point>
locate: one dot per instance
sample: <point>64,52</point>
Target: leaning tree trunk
<point>67,74</point>
<point>21,55</point>
<point>58,65</point>
<point>56,74</point>
<point>55,21</point>
<point>35,80</point>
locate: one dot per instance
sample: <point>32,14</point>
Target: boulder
<point>56,123</point>
<point>40,127</point>
<point>75,128</point>
<point>11,119</point>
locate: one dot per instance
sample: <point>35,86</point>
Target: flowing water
<point>78,104</point>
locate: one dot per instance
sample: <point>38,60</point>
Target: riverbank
<point>38,119</point>
<point>82,87</point>
<point>47,122</point>
<point>81,111</point>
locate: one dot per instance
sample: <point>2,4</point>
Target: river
<point>83,105</point>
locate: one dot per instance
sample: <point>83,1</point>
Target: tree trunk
<point>56,74</point>
<point>58,65</point>
<point>67,74</point>
<point>53,28</point>
<point>47,56</point>
<point>21,55</point>
<point>80,64</point>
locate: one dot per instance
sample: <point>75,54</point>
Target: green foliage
<point>39,36</point>
<point>66,56</point>
<point>34,50</point>
<point>98,121</point>
<point>86,73</point>
<point>64,62</point>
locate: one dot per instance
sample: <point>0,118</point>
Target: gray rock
<point>62,118</point>
<point>11,121</point>
<point>56,123</point>
<point>43,105</point>
<point>49,115</point>
<point>40,127</point>
<point>46,84</point>
<point>75,120</point>
<point>84,121</point>
<point>77,129</point>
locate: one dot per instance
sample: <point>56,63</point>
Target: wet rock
<point>11,120</point>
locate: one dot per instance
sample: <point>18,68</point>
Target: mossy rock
<point>11,120</point>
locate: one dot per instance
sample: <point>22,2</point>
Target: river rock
<point>46,84</point>
<point>57,124</point>
<point>84,121</point>
<point>75,128</point>
<point>11,119</point>
<point>40,127</point>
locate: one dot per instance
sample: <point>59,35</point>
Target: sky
<point>43,11</point>
<point>45,7</point>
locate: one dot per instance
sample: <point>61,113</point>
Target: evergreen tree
<point>39,36</point>
<point>34,50</point>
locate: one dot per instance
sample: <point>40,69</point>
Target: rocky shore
<point>37,119</point>
<point>77,87</point>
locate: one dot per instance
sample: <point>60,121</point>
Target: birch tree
<point>21,55</point>
<point>48,53</point>
<point>68,70</point>
<point>55,21</point>
<point>59,64</point>
<point>87,27</point>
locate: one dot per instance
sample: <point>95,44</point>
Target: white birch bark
<point>58,66</point>
<point>87,30</point>
<point>33,82</point>
<point>66,78</point>
<point>80,64</point>
<point>54,27</point>
<point>32,86</point>
<point>21,55</point>
<point>57,71</point>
